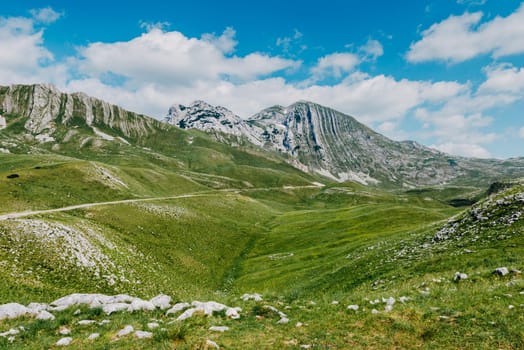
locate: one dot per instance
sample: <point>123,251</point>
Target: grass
<point>343,242</point>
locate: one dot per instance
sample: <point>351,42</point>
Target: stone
<point>110,308</point>
<point>212,344</point>
<point>283,320</point>
<point>375,311</point>
<point>161,301</point>
<point>143,335</point>
<point>255,297</point>
<point>125,331</point>
<point>353,307</point>
<point>177,308</point>
<point>85,322</point>
<point>13,310</point>
<point>12,331</point>
<point>93,336</point>
<point>152,325</point>
<point>64,331</point>
<point>221,329</point>
<point>64,341</point>
<point>501,271</point>
<point>45,315</point>
<point>142,305</point>
<point>459,276</point>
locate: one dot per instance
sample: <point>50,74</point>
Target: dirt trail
<point>124,201</point>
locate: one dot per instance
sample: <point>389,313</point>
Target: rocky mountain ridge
<point>320,140</point>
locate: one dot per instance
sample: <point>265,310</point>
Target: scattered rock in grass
<point>141,305</point>
<point>45,315</point>
<point>161,301</point>
<point>403,299</point>
<point>103,322</point>
<point>515,271</point>
<point>208,308</point>
<point>374,311</point>
<point>11,339</point>
<point>255,297</point>
<point>12,331</point>
<point>389,301</point>
<point>93,336</point>
<point>35,308</point>
<point>283,320</point>
<point>353,307</point>
<point>116,307</point>
<point>305,346</point>
<point>501,271</point>
<point>221,329</point>
<point>85,322</point>
<point>459,276</point>
<point>125,331</point>
<point>511,307</point>
<point>212,344</point>
<point>13,310</point>
<point>64,341</point>
<point>177,308</point>
<point>153,325</point>
<point>77,312</point>
<point>312,303</point>
<point>299,324</point>
<point>143,334</point>
<point>443,318</point>
<point>64,331</point>
<point>334,302</point>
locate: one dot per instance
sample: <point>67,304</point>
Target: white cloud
<point>225,42</point>
<point>521,132</point>
<point>171,58</point>
<point>45,15</point>
<point>23,56</point>
<point>459,38</point>
<point>372,49</point>
<point>464,149</point>
<point>287,42</point>
<point>471,2</point>
<point>503,78</point>
<point>334,65</point>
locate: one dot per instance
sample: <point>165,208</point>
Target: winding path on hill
<point>16,215</point>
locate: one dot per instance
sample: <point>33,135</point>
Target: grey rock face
<point>321,140</point>
<point>45,107</point>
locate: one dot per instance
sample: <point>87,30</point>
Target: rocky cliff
<point>321,140</point>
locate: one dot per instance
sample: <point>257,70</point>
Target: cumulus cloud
<point>150,72</point>
<point>372,49</point>
<point>45,15</point>
<point>460,38</point>
<point>503,78</point>
<point>287,43</point>
<point>24,57</point>
<point>334,65</point>
<point>172,58</point>
<point>464,149</point>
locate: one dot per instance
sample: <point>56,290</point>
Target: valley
<point>121,204</point>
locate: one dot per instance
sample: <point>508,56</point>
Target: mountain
<point>320,140</point>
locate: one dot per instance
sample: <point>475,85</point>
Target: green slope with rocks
<point>337,265</point>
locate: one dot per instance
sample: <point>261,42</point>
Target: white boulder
<point>125,331</point>
<point>64,341</point>
<point>13,310</point>
<point>501,271</point>
<point>177,308</point>
<point>221,329</point>
<point>161,301</point>
<point>143,334</point>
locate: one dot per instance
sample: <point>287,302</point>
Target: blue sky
<point>446,73</point>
